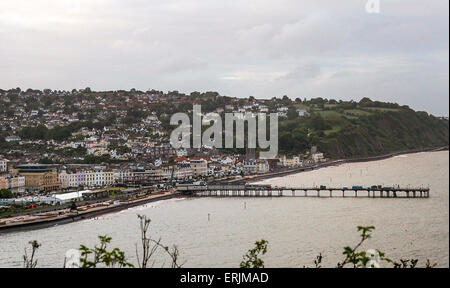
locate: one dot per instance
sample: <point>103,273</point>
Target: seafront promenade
<point>48,219</point>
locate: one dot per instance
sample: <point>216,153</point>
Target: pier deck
<point>330,192</point>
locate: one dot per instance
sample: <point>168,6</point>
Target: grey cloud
<point>303,72</point>
<point>263,48</point>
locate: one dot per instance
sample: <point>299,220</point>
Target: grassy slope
<point>364,131</point>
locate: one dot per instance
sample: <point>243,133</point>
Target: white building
<point>302,112</point>
<point>68,197</point>
<point>293,162</point>
<point>182,153</point>
<point>318,157</point>
<point>123,174</point>
<point>250,167</point>
<point>91,178</point>
<point>99,178</point>
<point>3,165</point>
<point>262,166</point>
<point>256,166</point>
<point>282,160</point>
<point>199,167</point>
<point>16,182</point>
<point>69,179</point>
<point>183,171</point>
<point>282,114</point>
<point>263,108</point>
<point>12,139</point>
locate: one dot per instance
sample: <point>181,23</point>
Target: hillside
<point>52,124</point>
<point>362,129</point>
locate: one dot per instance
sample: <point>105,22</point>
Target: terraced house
<point>89,178</point>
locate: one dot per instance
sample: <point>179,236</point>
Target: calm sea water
<point>297,228</point>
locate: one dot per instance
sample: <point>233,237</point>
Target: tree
<point>286,100</point>
<point>251,259</point>
<point>33,133</point>
<point>365,102</point>
<point>6,194</point>
<point>46,160</point>
<point>372,258</point>
<point>59,133</point>
<point>318,123</point>
<point>292,113</point>
<point>113,258</point>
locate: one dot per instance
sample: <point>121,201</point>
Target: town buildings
<point>199,166</point>
<point>86,178</point>
<point>39,177</point>
<point>47,178</point>
<point>3,165</point>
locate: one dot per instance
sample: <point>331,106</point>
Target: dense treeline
<point>339,136</point>
<point>388,132</point>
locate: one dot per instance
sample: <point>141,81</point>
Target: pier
<point>224,190</point>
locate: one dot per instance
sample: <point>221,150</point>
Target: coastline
<point>49,222</point>
<point>257,178</point>
<point>45,223</point>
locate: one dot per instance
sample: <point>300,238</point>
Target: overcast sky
<point>263,48</point>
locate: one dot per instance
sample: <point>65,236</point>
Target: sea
<point>217,232</point>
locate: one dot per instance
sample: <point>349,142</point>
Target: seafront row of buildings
<point>32,178</point>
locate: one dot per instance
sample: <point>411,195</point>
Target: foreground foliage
<point>99,256</point>
<point>113,258</point>
<point>354,258</point>
<point>251,259</point>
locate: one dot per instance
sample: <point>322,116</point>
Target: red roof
<point>181,159</point>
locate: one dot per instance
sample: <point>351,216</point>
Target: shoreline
<point>65,219</point>
<point>257,178</point>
